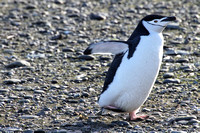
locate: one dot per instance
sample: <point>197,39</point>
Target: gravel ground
<point>47,84</point>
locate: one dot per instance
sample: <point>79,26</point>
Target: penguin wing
<point>107,47</point>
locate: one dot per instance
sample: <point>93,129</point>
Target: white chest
<point>135,77</point>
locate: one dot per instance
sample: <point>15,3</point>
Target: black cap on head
<point>152,17</point>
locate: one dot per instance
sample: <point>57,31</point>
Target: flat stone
<point>68,50</point>
<point>171,52</point>
<point>20,63</point>
<point>11,81</point>
<point>168,75</point>
<point>120,123</point>
<point>39,91</point>
<point>98,16</point>
<point>4,90</point>
<point>171,81</point>
<point>182,60</point>
<point>85,68</point>
<point>185,118</point>
<point>29,117</point>
<point>86,57</point>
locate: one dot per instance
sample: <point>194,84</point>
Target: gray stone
<point>171,52</point>
<point>87,57</point>
<point>20,63</point>
<point>85,68</point>
<point>182,60</point>
<point>171,81</point>
<point>98,16</point>
<point>4,90</point>
<point>29,117</point>
<point>168,75</point>
<point>68,50</point>
<point>39,91</point>
<point>11,81</point>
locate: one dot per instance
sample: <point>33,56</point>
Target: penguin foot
<point>134,117</point>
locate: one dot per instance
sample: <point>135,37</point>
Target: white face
<point>156,25</point>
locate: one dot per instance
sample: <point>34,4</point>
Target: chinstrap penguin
<point>135,67</point>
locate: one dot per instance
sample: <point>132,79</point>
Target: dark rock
<point>87,57</point>
<point>29,116</point>
<point>120,123</point>
<point>57,37</point>
<point>84,94</point>
<point>97,16</point>
<point>68,50</point>
<point>85,68</point>
<point>168,75</point>
<point>28,131</point>
<point>20,63</point>
<point>30,7</point>
<point>11,81</point>
<point>182,60</point>
<point>171,81</point>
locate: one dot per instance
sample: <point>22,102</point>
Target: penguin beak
<point>169,19</point>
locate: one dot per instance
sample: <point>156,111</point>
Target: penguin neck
<point>139,31</point>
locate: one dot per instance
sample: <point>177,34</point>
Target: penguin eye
<point>155,21</point>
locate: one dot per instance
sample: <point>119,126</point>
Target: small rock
<point>173,26</point>
<point>168,75</point>
<point>171,81</point>
<point>29,116</point>
<point>85,68</point>
<point>39,91</point>
<point>68,50</point>
<point>120,123</point>
<point>19,63</point>
<point>171,52</point>
<point>11,81</point>
<point>185,118</point>
<point>87,57</point>
<point>57,37</point>
<point>97,16</point>
<point>28,131</point>
<point>84,94</point>
<point>4,90</point>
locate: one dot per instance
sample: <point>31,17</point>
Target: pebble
<point>82,68</point>
<point>11,81</point>
<point>29,117</point>
<point>68,50</point>
<point>98,16</point>
<point>20,63</point>
<point>39,91</point>
<point>182,60</point>
<point>168,75</point>
<point>4,90</point>
<point>169,80</point>
<point>87,57</point>
<point>170,52</point>
<point>120,123</point>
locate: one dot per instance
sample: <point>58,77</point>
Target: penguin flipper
<point>107,47</point>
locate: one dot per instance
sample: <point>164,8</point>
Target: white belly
<point>135,77</point>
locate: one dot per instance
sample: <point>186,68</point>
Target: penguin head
<point>156,23</point>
